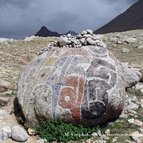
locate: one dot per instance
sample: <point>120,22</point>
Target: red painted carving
<point>71,95</point>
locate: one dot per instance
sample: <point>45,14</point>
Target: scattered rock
<point>63,42</point>
<point>130,40</point>
<point>139,87</point>
<point>4,85</point>
<point>90,41</point>
<point>107,132</point>
<point>84,32</point>
<point>138,122</point>
<point>125,50</point>
<point>133,98</point>
<point>19,134</point>
<point>130,76</point>
<point>88,141</point>
<point>3,114</point>
<point>136,136</point>
<point>94,134</point>
<point>140,47</point>
<point>123,115</point>
<point>132,106</point>
<point>5,133</point>
<point>131,121</point>
<point>89,31</point>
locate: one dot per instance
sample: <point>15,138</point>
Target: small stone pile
<point>85,38</point>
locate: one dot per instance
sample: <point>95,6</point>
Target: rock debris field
<point>108,69</point>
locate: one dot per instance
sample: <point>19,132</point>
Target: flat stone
<point>132,106</point>
<point>19,134</point>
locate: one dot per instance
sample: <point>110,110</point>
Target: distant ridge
<point>131,19</point>
<point>44,32</point>
<point>71,32</point>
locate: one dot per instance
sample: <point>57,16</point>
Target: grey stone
<point>83,32</point>
<point>5,133</point>
<point>63,41</point>
<point>130,40</point>
<point>136,136</point>
<point>132,106</point>
<point>130,76</point>
<point>138,122</point>
<point>4,85</point>
<point>19,134</point>
<point>139,87</point>
<point>125,50</point>
<point>131,121</point>
<point>89,31</point>
<point>140,47</point>
<point>90,41</point>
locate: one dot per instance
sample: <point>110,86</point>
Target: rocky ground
<point>126,46</point>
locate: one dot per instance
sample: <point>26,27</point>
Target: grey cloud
<point>19,18</point>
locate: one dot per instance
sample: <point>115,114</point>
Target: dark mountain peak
<point>131,19</point>
<point>44,32</point>
<point>44,28</point>
<point>71,32</point>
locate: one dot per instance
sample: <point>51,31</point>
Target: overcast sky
<point>19,18</point>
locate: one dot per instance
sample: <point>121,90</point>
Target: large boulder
<point>78,85</point>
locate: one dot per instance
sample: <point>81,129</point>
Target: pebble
<point>19,134</point>
<point>125,50</point>
<point>31,131</point>
<point>140,47</point>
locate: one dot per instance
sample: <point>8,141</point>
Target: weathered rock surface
<point>82,84</point>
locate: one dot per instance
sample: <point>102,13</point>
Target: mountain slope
<point>44,32</point>
<point>131,19</point>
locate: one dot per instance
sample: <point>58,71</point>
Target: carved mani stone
<point>79,85</point>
